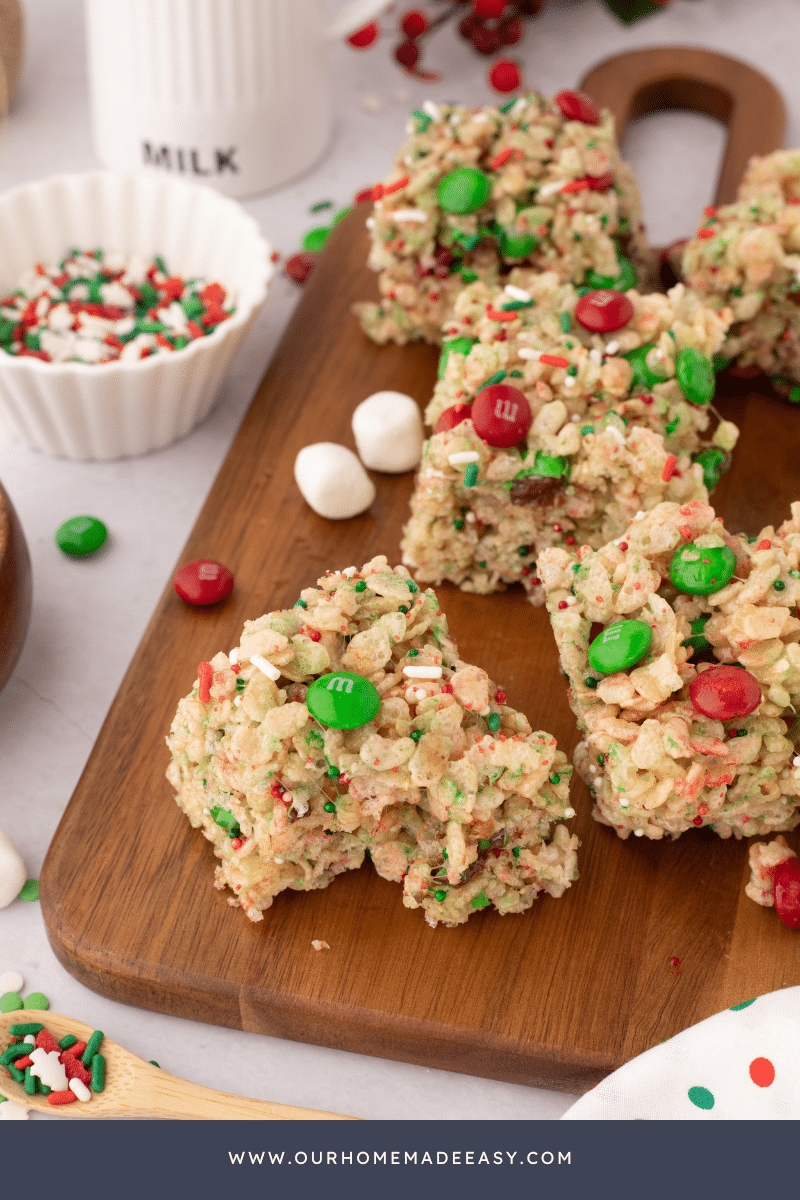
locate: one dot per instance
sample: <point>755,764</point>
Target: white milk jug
<point>232,93</point>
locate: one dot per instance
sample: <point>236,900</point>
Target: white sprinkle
<point>480,117</point>
<point>411,695</point>
<point>237,702</point>
<point>575,418</point>
<point>79,1088</point>
<point>569,812</point>
<point>30,1038</point>
<point>596,356</point>
<point>471,518</point>
<point>233,656</point>
<point>612,347</point>
<point>527,352</point>
<point>569,382</point>
<point>638,833</point>
<point>517,106</point>
<point>517,293</point>
<point>795,763</point>
<point>370,222</point>
<point>549,189</point>
<point>408,214</point>
<point>423,672</point>
<point>420,694</point>
<point>348,572</point>
<point>463,456</point>
<point>207,812</point>
<point>638,516</point>
<point>592,769</point>
<point>612,429</point>
<point>259,661</point>
<point>277,860</point>
<point>485,711</point>
<point>431,109</point>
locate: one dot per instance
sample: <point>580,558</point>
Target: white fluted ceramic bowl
<point>119,409</point>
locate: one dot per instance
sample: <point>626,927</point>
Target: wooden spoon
<point>135,1088</point>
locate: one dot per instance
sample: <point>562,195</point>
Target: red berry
<point>786,884</point>
<point>452,416</point>
<point>501,415</point>
<point>603,310</point>
<point>510,31</point>
<point>413,23</point>
<point>488,9</point>
<point>577,107</point>
<point>407,54</point>
<point>485,40</point>
<point>300,266</point>
<point>504,76</point>
<point>365,36</point>
<point>203,581</point>
<point>724,693</point>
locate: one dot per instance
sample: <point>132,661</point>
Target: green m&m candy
<point>699,570</point>
<point>625,279</point>
<point>619,646</point>
<point>459,345</point>
<point>714,462</point>
<point>695,372</point>
<point>81,536</point>
<point>464,190</point>
<point>697,639</point>
<point>643,374</point>
<point>517,245</point>
<point>550,465</point>
<point>343,700</point>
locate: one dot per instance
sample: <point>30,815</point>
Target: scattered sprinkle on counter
<point>100,306</point>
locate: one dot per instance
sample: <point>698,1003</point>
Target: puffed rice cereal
<point>764,858</point>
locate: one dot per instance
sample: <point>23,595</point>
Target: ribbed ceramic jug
<point>232,93</point>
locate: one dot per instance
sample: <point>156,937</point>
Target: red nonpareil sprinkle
<point>500,696</point>
<point>706,233</point>
<point>623,546</point>
<point>447,688</point>
<point>277,790</point>
<point>685,531</point>
<point>315,635</point>
<point>274,256</point>
<point>205,673</point>
<point>494,315</point>
<point>562,604</point>
<point>577,185</point>
<point>570,540</point>
<point>709,211</point>
<point>501,159</point>
<point>556,527</point>
<point>396,186</point>
<point>553,360</point>
<point>236,843</point>
<point>66,1097</point>
<point>669,468</point>
<point>674,961</point>
<point>764,544</point>
<point>536,581</point>
<point>504,76</point>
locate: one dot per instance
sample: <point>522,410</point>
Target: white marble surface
<point>88,616</point>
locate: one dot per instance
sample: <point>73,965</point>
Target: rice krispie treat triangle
<point>349,724</point>
<point>746,256</point>
<point>611,393</point>
<point>681,644</point>
<point>477,190</point>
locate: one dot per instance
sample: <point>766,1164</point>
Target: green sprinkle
<point>482,564</point>
<point>24,1030</point>
<point>15,1073</point>
<point>590,682</point>
<point>241,684</point>
<point>329,806</point>
<point>794,395</point>
<point>12,1052</point>
<point>587,429</point>
<point>493,721</point>
<point>36,1000</point>
<point>573,371</point>
<point>741,733</point>
<point>516,851</point>
<point>413,653</point>
<point>515,374</point>
<point>508,104</point>
<point>403,608</point>
<point>481,900</point>
<point>516,305</point>
<point>162,266</point>
<point>92,1046</point>
<point>224,818</point>
<point>29,1083</point>
<point>98,1070</point>
<point>300,604</point>
<point>412,587</point>
<point>333,772</point>
<point>469,276</point>
<point>361,586</point>
<point>555,778</point>
<point>320,204</point>
<point>10,1002</point>
<point>471,475</point>
<point>566,321</point>
<point>779,585</point>
<point>68,1040</point>
<point>523,551</point>
<point>498,377</point>
<point>421,120</point>
<point>439,895</point>
<point>601,758</point>
<point>485,843</point>
<point>458,523</point>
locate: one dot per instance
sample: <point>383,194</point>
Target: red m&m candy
<point>452,416</point>
<point>725,692</point>
<point>577,107</point>
<point>501,415</point>
<point>603,310</point>
<point>203,581</point>
<point>786,884</point>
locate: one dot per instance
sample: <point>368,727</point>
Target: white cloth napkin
<point>742,1064</point>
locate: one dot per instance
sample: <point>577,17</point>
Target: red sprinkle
<point>500,159</point>
<point>623,545</point>
<point>494,315</point>
<point>500,696</point>
<point>563,604</point>
<point>706,233</point>
<point>765,544</point>
<point>669,468</point>
<point>600,183</point>
<point>205,673</point>
<point>397,186</point>
<point>46,1041</point>
<point>447,688</point>
<point>578,107</point>
<point>554,360</point>
<point>577,185</point>
<point>236,843</point>
<point>299,266</point>
<point>685,531</point>
<point>66,1097</point>
<point>315,635</point>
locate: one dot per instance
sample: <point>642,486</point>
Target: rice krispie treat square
<point>746,256</point>
<point>475,191</point>
<point>608,422</point>
<point>681,644</point>
<point>349,724</point>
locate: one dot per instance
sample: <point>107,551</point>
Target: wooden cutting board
<point>652,938</point>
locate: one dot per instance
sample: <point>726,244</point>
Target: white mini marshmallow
<point>12,871</point>
<point>332,481</point>
<point>388,430</point>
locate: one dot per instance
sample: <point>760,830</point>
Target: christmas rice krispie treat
<point>475,191</point>
<point>746,256</point>
<point>348,724</point>
<point>682,649</point>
